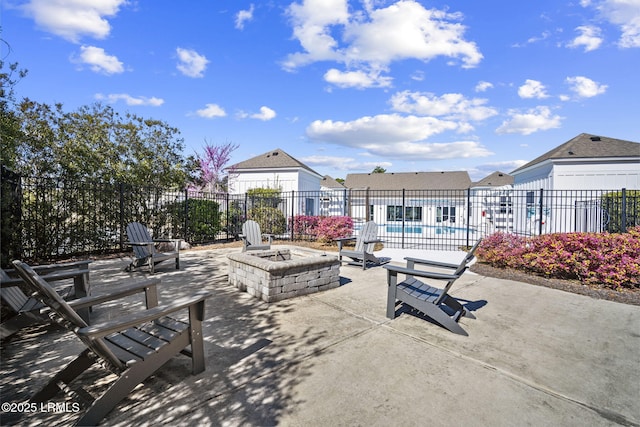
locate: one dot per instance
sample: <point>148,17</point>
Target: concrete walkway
<point>534,356</point>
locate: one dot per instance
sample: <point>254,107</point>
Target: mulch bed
<point>574,286</point>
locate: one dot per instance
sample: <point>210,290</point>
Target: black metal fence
<point>49,219</point>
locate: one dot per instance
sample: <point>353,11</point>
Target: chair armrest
<point>51,277</point>
<point>345,239</point>
<point>139,243</point>
<point>45,269</point>
<point>373,241</point>
<point>432,263</point>
<point>149,286</point>
<point>394,270</point>
<point>103,329</point>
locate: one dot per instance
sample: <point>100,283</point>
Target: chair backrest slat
<point>461,269</point>
<point>252,232</point>
<point>369,232</point>
<point>137,233</point>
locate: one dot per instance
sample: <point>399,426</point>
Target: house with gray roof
<point>410,206</point>
<point>279,170</point>
<point>584,162</point>
<point>590,166</point>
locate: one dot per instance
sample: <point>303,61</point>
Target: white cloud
<point>356,79</point>
<point>533,120</point>
<point>482,86</point>
<point>584,87</point>
<point>505,166</point>
<point>623,13</point>
<point>589,38</point>
<point>453,106</point>
<point>244,16</point>
<point>532,89</point>
<point>191,63</point>
<point>372,38</point>
<point>98,60</point>
<point>211,111</point>
<point>343,163</point>
<point>130,100</point>
<point>395,137</point>
<point>73,19</point>
<point>265,114</point>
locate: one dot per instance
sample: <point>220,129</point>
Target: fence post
<point>404,214</point>
<point>468,214</point>
<point>186,215</point>
<point>623,219</point>
<point>121,190</point>
<point>293,198</point>
<point>540,207</point>
<point>227,212</point>
<point>344,202</point>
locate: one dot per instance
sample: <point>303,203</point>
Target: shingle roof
<point>273,159</point>
<point>458,180</point>
<point>587,146</point>
<point>496,179</point>
<point>329,182</point>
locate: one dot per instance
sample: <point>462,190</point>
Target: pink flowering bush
<point>600,259</point>
<point>323,228</point>
<point>330,228</point>
<point>304,224</point>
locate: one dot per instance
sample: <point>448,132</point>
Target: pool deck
<point>534,356</point>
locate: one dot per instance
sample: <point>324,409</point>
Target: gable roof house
<point>273,169</point>
<point>584,162</point>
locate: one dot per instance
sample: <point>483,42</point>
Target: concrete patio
<point>534,356</point>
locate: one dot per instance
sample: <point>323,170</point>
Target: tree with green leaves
<point>10,130</point>
<point>379,169</point>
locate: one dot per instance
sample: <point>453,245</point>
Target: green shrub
<point>271,220</point>
<point>202,219</point>
<point>612,204</point>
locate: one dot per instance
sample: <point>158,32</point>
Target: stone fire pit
<point>274,275</point>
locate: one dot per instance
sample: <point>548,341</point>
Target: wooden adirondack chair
<point>436,303</point>
<point>365,243</point>
<point>252,238</point>
<point>133,346</point>
<point>27,309</point>
<point>144,248</point>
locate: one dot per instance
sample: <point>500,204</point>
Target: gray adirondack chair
<point>144,248</point>
<point>434,302</point>
<point>133,346</point>
<point>365,243</point>
<point>252,237</point>
<point>27,309</point>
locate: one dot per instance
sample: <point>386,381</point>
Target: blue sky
<point>341,85</point>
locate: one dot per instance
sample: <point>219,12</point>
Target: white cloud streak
<point>191,63</point>
<point>584,87</point>
<point>623,13</point>
<point>130,100</point>
<point>211,111</point>
<point>532,89</point>
<point>533,120</point>
<point>589,38</point>
<point>98,60</point>
<point>371,39</point>
<point>73,19</point>
<point>343,163</point>
<point>452,106</point>
<point>244,16</point>
<point>395,137</point>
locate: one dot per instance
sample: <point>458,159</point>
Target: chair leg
<point>68,374</point>
<point>128,380</point>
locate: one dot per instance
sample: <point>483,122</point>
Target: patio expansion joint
<point>602,412</point>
